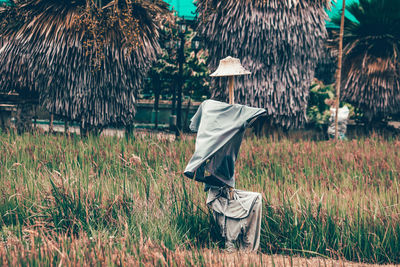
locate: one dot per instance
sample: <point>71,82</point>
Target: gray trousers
<point>239,218</point>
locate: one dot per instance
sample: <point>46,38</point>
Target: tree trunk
<point>339,71</point>
<point>35,117</point>
<point>181,60</point>
<point>173,111</point>
<point>83,129</point>
<point>23,120</point>
<point>66,127</point>
<point>51,126</point>
<point>157,93</point>
<point>185,124</point>
<point>129,131</point>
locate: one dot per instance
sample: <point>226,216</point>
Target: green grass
<point>64,199</point>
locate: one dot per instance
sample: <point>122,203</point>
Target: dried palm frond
<point>86,62</point>
<point>278,41</point>
<point>371,60</point>
<point>327,65</point>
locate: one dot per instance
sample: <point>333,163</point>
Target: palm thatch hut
<point>85,61</point>
<point>279,41</point>
<point>327,64</point>
<point>371,60</point>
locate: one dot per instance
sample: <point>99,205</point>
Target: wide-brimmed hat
<point>230,66</point>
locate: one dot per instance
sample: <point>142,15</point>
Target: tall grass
<point>65,195</point>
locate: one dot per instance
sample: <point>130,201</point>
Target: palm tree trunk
<point>339,71</point>
<point>66,127</point>
<point>51,126</point>
<point>157,94</point>
<point>24,116</point>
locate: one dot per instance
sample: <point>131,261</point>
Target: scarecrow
<point>220,128</point>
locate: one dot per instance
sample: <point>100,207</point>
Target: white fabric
<point>343,117</point>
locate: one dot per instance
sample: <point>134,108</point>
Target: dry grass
<point>100,200</point>
<point>84,251</point>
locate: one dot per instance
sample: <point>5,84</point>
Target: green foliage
<point>318,111</point>
<point>164,75</point>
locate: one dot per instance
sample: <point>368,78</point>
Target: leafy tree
<point>318,110</point>
<point>322,97</point>
<point>163,77</point>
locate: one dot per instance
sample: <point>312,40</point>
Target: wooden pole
<point>339,70</point>
<point>35,118</point>
<point>231,83</point>
<point>51,129</point>
<point>66,127</point>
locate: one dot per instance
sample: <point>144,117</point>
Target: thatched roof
<point>371,60</point>
<point>51,51</point>
<point>278,41</point>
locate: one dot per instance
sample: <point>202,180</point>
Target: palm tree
<point>86,59</point>
<point>371,60</point>
<point>279,41</point>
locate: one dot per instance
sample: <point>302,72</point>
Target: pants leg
<point>234,227</point>
<point>239,220</point>
<point>250,239</point>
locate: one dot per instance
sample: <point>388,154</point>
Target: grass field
<point>109,200</point>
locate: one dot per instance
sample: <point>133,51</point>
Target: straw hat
<point>230,66</point>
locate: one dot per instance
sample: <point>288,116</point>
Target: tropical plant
<point>322,97</point>
<point>371,61</point>
<point>164,74</point>
<point>279,41</point>
<point>317,110</point>
<point>85,59</point>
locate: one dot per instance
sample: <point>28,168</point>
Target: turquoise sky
<point>186,7</point>
<point>183,7</point>
<point>336,9</point>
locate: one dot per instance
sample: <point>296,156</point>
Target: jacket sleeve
<point>195,120</point>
